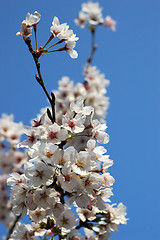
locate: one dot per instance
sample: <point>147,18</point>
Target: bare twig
<point>39,79</point>
<point>94,46</point>
<point>13,227</point>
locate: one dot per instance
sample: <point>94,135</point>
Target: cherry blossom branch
<point>13,227</point>
<point>39,79</point>
<point>35,32</point>
<point>94,46</point>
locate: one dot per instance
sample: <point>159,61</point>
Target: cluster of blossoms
<point>61,181</point>
<point>91,13</point>
<point>57,176</point>
<point>61,31</point>
<point>92,90</point>
<point>26,27</point>
<point>11,160</point>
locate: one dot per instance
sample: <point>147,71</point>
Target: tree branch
<point>13,227</point>
<point>39,79</point>
<point>94,46</point>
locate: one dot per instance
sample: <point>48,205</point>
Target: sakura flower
<point>39,173</point>
<point>117,215</point>
<point>57,209</point>
<point>37,215</point>
<point>40,121</point>
<point>70,36</point>
<point>22,231</point>
<point>44,197</point>
<point>106,162</point>
<point>83,163</point>
<point>81,20</point>
<point>56,134</point>
<point>25,30</point>
<point>106,179</point>
<point>89,234</point>
<point>57,29</point>
<point>32,19</point>
<point>33,134</point>
<point>94,12</point>
<point>75,124</point>
<point>91,183</point>
<point>30,203</point>
<point>45,151</point>
<point>101,196</point>
<point>85,213</point>
<point>109,22</point>
<point>69,48</point>
<point>10,130</point>
<point>79,107</point>
<point>16,179</point>
<point>62,31</point>
<point>95,152</point>
<point>98,132</point>
<point>79,196</point>
<point>104,235</point>
<point>68,155</point>
<point>18,198</point>
<point>67,179</point>
<point>67,219</point>
<point>74,235</point>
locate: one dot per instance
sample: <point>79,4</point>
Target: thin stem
<point>94,46</point>
<point>52,51</point>
<point>40,80</point>
<point>56,44</point>
<point>13,226</point>
<point>51,37</point>
<point>58,50</point>
<point>35,33</point>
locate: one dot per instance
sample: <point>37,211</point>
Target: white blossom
<point>81,20</point>
<point>69,48</point>
<point>39,173</point>
<point>25,30</point>
<point>32,19</point>
<point>67,219</point>
<point>74,125</point>
<point>94,12</point>
<point>22,232</point>
<point>109,22</point>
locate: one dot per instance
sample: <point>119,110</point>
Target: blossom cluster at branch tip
<point>63,32</point>
<point>91,13</point>
<point>31,20</point>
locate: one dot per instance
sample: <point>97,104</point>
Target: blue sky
<point>130,58</point>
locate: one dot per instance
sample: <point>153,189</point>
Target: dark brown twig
<point>94,46</point>
<point>13,227</point>
<point>39,79</point>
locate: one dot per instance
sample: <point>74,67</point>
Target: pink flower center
<point>71,124</point>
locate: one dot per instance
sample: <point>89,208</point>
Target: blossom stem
<point>13,227</point>
<point>58,50</point>
<point>56,44</point>
<point>51,37</point>
<point>94,46</point>
<point>40,81</point>
<point>35,32</point>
